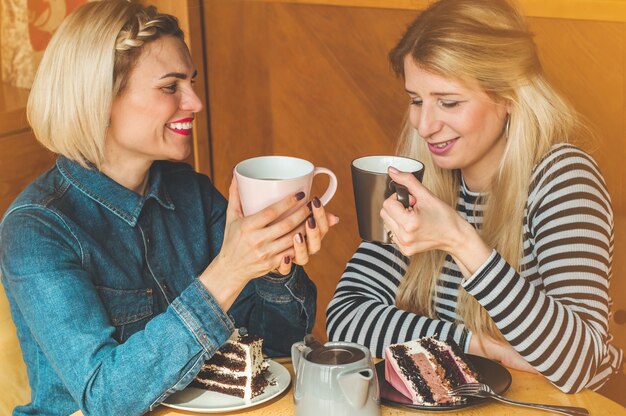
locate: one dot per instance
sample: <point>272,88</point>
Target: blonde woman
<point>508,244</point>
<point>126,271</point>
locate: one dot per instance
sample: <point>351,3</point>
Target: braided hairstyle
<point>144,25</point>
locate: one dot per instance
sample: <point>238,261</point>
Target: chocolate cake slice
<point>425,370</point>
<point>237,368</point>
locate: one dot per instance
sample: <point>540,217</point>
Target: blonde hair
<point>85,66</point>
<point>486,41</point>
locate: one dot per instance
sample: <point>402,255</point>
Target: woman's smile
<point>441,148</point>
<point>183,126</point>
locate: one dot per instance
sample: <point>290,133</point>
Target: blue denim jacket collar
<point>123,202</point>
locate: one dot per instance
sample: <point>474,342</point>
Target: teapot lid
<point>336,354</point>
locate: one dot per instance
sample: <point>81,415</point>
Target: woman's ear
<point>508,105</point>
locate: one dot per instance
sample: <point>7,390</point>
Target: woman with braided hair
<point>125,271</point>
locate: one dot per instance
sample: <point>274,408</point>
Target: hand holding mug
<point>372,185</point>
<point>262,181</point>
<point>253,245</point>
<point>316,227</point>
<point>257,244</point>
<point>426,225</point>
<point>431,224</point>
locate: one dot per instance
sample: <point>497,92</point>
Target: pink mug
<point>265,180</point>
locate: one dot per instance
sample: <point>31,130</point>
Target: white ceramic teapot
<point>334,379</point>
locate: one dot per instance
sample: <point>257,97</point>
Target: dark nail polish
<point>311,222</point>
<point>299,196</point>
<point>317,202</point>
<point>287,259</point>
<point>308,205</point>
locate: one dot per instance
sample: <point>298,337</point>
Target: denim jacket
<point>103,289</point>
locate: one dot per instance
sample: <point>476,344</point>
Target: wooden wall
<point>290,80</point>
<point>312,80</point>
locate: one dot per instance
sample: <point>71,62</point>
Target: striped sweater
<point>554,312</point>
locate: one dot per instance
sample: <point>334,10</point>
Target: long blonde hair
<point>487,41</point>
<point>85,66</point>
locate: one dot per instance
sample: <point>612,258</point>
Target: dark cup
<point>372,186</point>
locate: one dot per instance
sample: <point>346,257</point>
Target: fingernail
<point>287,259</point>
<point>299,196</point>
<point>311,222</point>
<point>299,238</point>
<point>393,170</point>
<point>308,205</point>
<point>317,202</point>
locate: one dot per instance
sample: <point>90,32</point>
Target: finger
<point>233,210</point>
<point>332,219</point>
<point>289,224</point>
<point>390,223</point>
<point>313,235</point>
<point>270,214</point>
<point>279,248</point>
<point>395,209</point>
<point>319,215</point>
<point>329,219</point>
<point>285,266</point>
<point>301,250</point>
<point>407,179</point>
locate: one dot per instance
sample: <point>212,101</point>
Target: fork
<point>483,390</point>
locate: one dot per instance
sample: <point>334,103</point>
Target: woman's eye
<point>448,104</point>
<point>170,89</point>
<point>415,101</point>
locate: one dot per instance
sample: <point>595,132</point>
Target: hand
<point>315,227</point>
<point>500,351</point>
<point>431,224</point>
<point>253,245</point>
<point>263,243</point>
<point>427,224</point>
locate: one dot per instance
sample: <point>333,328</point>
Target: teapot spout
<point>355,386</point>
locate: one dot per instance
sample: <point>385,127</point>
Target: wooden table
<point>525,386</point>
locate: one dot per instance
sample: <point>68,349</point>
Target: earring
<point>506,126</point>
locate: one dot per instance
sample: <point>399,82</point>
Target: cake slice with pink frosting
<point>425,370</point>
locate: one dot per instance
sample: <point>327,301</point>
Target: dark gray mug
<point>372,186</point>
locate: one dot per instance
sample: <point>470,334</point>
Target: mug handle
<point>402,193</point>
<point>332,185</point>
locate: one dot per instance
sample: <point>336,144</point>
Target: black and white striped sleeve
<point>363,307</point>
<point>556,317</point>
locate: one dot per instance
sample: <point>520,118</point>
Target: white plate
<point>203,401</point>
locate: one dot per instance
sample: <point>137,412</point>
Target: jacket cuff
<point>294,286</point>
<point>280,278</point>
<point>273,283</point>
<point>203,317</point>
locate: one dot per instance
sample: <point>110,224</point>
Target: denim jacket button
<point>166,289</point>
